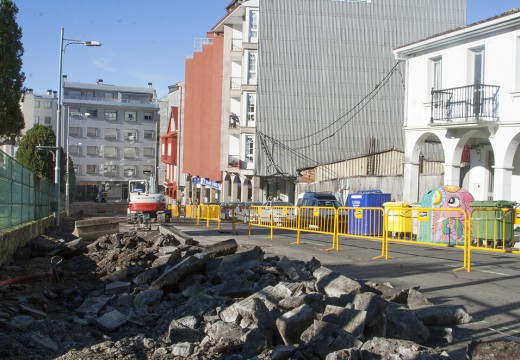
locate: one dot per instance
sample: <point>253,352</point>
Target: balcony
<point>233,161</point>
<point>473,104</point>
<point>236,44</point>
<point>235,83</point>
<point>234,121</point>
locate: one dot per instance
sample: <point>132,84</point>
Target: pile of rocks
<point>169,297</point>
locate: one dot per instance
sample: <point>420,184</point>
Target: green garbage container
<point>492,221</point>
<point>399,215</point>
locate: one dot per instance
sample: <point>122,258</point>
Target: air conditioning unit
<point>131,137</point>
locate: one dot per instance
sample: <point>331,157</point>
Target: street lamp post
<point>57,170</point>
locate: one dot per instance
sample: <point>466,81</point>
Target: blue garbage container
<point>366,221</point>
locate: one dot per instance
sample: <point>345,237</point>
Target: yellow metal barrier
<point>362,223</point>
<point>444,227</point>
<point>274,217</point>
<point>492,229</point>
<point>209,213</point>
<point>516,245</point>
<point>315,219</point>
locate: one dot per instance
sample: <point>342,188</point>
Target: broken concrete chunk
<point>117,287</point>
<point>147,298</point>
<point>403,324</point>
<point>381,348</point>
<point>239,262</point>
<point>350,320</point>
<point>293,323</point>
<point>92,305</point>
<point>40,341</point>
<point>222,248</point>
<point>111,320</point>
<point>416,299</point>
<point>442,315</point>
<point>294,270</point>
<point>376,308</point>
<point>334,284</point>
<point>171,277</point>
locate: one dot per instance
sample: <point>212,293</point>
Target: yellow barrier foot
<point>460,268</point>
<point>333,248</point>
<point>382,257</point>
<point>296,242</point>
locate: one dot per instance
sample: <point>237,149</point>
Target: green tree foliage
<point>11,75</point>
<point>41,162</point>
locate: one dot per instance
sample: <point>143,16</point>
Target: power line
<point>366,98</point>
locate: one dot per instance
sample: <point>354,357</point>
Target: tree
<point>11,75</point>
<point>41,162</point>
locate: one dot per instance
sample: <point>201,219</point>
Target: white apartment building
<point>240,27</point>
<point>111,135</point>
<point>463,91</point>
<point>39,109</point>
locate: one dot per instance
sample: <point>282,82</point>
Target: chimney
<point>100,81</point>
<point>150,85</point>
<point>49,92</point>
<point>29,91</point>
<point>55,94</point>
<point>64,77</point>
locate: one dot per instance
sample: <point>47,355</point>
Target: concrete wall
<point>20,235</point>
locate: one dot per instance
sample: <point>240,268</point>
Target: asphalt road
<point>490,292</point>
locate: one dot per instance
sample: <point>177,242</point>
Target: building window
<point>109,95</point>
<point>48,104</point>
<point>110,151</point>
<point>47,120</point>
<point>131,116</point>
<point>147,151</point>
<point>437,73</point>
<point>110,170</point>
<point>74,131</point>
<point>92,150</point>
<point>111,134</point>
<point>92,132</point>
<point>36,119</point>
<point>74,149</point>
<point>148,116</point>
<point>130,152</point>
<point>36,103</point>
<point>253,24</point>
<point>110,115</point>
<point>477,66</point>
<point>130,135</point>
<point>91,112</point>
<point>251,66</point>
<point>76,169</point>
<point>250,149</point>
<point>91,169</point>
<point>74,112</point>
<point>251,112</point>
<point>517,64</point>
<point>130,170</point>
<point>149,134</point>
<point>147,169</point>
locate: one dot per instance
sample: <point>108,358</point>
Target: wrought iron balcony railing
<point>466,104</point>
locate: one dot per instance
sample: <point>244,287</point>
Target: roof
<point>502,18</point>
<point>108,87</point>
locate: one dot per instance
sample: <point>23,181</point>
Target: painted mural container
<point>444,226</point>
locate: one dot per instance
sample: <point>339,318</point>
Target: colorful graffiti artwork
<point>447,227</point>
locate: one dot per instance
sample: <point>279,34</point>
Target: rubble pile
<point>125,296</point>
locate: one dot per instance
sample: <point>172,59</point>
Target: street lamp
<point>57,171</point>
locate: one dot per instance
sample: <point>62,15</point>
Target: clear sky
<point>142,41</point>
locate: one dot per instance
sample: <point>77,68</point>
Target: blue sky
<point>143,41</point>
